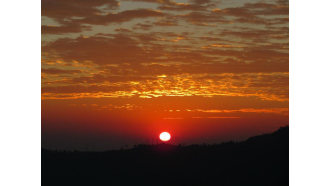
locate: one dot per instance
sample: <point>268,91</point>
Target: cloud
<point>59,71</point>
<point>169,21</point>
<point>83,89</point>
<point>109,78</point>
<point>137,49</point>
<point>192,103</point>
<point>119,17</point>
<point>99,50</point>
<point>72,16</point>
<point>250,10</point>
<point>75,17</point>
<point>266,86</point>
<point>61,9</point>
<point>204,18</point>
<point>64,29</point>
<point>191,5</point>
<point>150,59</point>
<point>256,13</point>
<point>143,26</point>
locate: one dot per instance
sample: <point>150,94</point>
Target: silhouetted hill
<point>259,161</point>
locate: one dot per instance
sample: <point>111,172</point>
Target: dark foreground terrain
<point>261,160</point>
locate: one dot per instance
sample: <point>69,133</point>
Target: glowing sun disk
<point>165,136</point>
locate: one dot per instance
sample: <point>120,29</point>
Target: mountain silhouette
<point>259,161</point>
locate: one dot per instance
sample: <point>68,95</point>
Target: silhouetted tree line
<point>259,161</point>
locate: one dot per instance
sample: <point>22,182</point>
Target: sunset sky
<point>118,73</point>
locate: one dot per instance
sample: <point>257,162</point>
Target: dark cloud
<point>271,81</point>
<point>73,15</point>
<point>192,5</point>
<point>143,26</point>
<point>97,49</point>
<point>123,30</point>
<point>257,35</point>
<point>84,89</point>
<point>64,29</point>
<point>255,13</point>
<point>59,71</point>
<point>61,9</point>
<point>204,18</point>
<point>256,9</point>
<point>166,22</point>
<point>120,17</point>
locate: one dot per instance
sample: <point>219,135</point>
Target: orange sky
<point>117,73</point>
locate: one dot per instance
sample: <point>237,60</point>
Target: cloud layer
<point>218,59</point>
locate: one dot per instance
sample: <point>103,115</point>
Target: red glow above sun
<point>165,136</point>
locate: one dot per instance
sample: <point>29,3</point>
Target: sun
<point>165,136</point>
